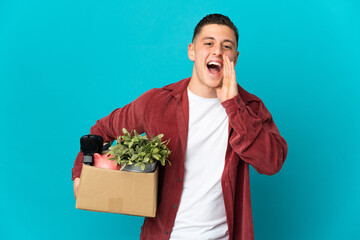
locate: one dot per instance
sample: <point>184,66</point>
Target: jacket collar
<point>179,92</point>
<point>179,87</point>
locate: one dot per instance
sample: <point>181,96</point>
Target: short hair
<point>216,19</point>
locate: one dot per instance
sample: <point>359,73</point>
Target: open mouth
<point>214,67</point>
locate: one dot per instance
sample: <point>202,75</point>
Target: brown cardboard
<point>116,191</point>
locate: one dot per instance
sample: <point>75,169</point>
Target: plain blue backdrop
<point>64,64</point>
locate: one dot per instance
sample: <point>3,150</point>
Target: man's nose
<point>217,50</point>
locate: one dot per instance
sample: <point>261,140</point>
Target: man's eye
<point>228,47</point>
<point>207,43</point>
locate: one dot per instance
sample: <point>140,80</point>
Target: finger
<point>229,66</point>
<point>233,73</point>
<point>226,66</point>
<point>225,73</point>
<point>232,69</point>
<point>228,69</point>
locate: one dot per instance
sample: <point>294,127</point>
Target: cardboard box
<point>115,191</point>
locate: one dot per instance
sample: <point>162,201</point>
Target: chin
<point>214,82</point>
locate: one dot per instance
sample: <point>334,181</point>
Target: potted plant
<point>137,153</point>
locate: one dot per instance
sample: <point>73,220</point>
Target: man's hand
<point>228,88</point>
<point>76,186</point>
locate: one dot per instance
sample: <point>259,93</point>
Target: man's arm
<point>110,127</point>
<point>255,138</point>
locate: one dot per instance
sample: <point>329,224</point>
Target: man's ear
<point>191,52</point>
<point>236,58</point>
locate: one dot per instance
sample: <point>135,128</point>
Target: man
<point>216,129</point>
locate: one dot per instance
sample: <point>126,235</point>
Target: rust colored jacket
<point>253,139</point>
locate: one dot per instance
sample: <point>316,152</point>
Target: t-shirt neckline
<point>202,99</point>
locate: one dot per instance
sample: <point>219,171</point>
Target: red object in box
<point>102,161</point>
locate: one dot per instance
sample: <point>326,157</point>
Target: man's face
<point>207,52</point>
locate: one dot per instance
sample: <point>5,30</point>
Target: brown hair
<point>216,19</point>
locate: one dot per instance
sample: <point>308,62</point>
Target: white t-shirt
<point>201,214</point>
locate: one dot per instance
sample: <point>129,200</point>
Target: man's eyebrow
<point>232,42</point>
<point>211,38</point>
<point>207,38</point>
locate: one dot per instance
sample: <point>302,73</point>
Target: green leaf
<point>143,166</point>
<point>162,161</point>
<point>132,148</point>
<point>126,138</point>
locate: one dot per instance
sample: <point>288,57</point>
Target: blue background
<point>64,64</point>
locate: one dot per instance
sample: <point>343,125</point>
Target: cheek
<point>201,53</point>
<point>200,58</point>
<point>199,66</point>
<point>231,56</point>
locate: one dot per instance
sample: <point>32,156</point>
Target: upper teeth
<point>215,63</point>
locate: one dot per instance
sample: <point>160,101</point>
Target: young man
<point>216,129</point>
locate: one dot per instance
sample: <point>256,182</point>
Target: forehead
<point>216,31</point>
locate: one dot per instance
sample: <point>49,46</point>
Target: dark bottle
<point>91,144</point>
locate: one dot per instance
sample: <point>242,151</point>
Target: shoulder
<point>177,87</point>
<point>169,91</point>
<point>247,97</point>
<point>253,101</point>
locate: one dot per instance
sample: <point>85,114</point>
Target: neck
<point>199,89</point>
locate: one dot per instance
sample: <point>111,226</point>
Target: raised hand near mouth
<point>228,87</point>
